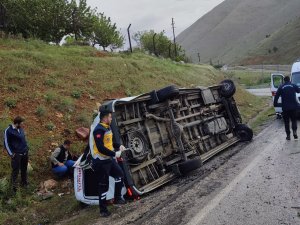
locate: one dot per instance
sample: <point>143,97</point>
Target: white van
<point>277,80</point>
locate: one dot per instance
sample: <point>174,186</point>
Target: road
<point>260,91</point>
<point>254,183</point>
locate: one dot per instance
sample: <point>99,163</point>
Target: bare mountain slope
<point>282,47</point>
<point>234,27</point>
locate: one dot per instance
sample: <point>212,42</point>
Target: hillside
<point>282,47</point>
<point>234,27</point>
<point>56,89</point>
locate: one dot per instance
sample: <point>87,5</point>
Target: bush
<point>40,111</point>
<point>13,87</point>
<point>84,119</point>
<point>4,186</point>
<point>65,104</point>
<point>50,82</point>
<point>50,96</point>
<point>50,126</point>
<point>10,103</point>
<point>76,94</point>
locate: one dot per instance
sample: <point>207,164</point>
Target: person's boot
<point>103,188</point>
<point>105,214</point>
<point>119,200</point>
<point>288,137</point>
<point>295,134</point>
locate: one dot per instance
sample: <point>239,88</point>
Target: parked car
<point>167,133</point>
<point>277,80</point>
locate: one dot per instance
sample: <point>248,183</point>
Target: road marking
<point>223,193</point>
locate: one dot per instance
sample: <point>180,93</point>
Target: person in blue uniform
<point>288,91</point>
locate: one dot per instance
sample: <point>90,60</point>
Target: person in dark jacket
<point>104,161</point>
<point>288,91</point>
<point>16,146</point>
<point>61,160</point>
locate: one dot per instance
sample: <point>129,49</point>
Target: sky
<point>154,14</point>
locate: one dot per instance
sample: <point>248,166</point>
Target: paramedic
<point>104,161</point>
<point>288,91</point>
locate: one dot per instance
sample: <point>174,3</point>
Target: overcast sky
<point>154,14</point>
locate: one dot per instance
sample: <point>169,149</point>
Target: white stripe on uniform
<point>6,143</point>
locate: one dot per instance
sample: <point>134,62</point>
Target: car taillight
<point>273,93</point>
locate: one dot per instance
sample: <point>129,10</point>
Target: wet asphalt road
<point>256,183</point>
<point>265,189</point>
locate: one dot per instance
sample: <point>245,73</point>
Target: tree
<point>43,19</point>
<point>51,20</point>
<point>163,46</point>
<point>105,33</point>
<point>81,19</point>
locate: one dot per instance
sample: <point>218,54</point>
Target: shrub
<point>50,96</point>
<point>4,186</point>
<point>13,87</point>
<point>65,104</point>
<point>40,111</point>
<point>76,94</point>
<point>50,126</point>
<point>50,82</point>
<point>10,103</point>
<point>84,119</point>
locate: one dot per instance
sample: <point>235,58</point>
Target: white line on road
<point>215,202</point>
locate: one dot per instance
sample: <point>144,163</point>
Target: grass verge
<point>258,123</point>
<point>57,89</point>
<point>250,79</point>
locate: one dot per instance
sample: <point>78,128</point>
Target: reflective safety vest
<point>103,142</point>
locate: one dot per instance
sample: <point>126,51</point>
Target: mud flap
<point>132,191</point>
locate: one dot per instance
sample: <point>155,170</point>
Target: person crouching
<point>61,160</point>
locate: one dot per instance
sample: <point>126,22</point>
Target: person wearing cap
<point>61,160</point>
<point>17,148</point>
<point>288,91</point>
<point>104,161</point>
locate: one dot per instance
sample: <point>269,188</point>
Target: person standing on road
<point>104,161</point>
<point>16,146</point>
<point>61,160</point>
<point>288,91</point>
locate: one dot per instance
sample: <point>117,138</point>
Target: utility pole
<point>173,27</point>
<point>199,57</point>
<point>170,45</point>
<point>154,49</point>
<point>129,37</point>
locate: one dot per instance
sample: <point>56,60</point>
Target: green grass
<point>263,118</point>
<point>51,87</point>
<point>40,111</point>
<point>250,79</point>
